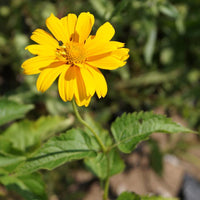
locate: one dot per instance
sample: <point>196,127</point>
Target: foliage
<point>29,186</point>
<point>72,145</point>
<point>10,110</point>
<point>132,196</point>
<point>163,71</point>
<point>130,129</point>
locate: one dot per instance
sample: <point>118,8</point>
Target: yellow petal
<point>80,93</point>
<point>34,65</point>
<point>103,35</point>
<point>105,32</point>
<point>84,26</point>
<point>71,85</point>
<point>89,81</point>
<point>42,37</point>
<point>100,82</point>
<point>121,54</point>
<point>57,29</point>
<point>81,96</point>
<point>67,84</point>
<point>85,102</point>
<point>69,22</point>
<point>49,75</point>
<point>97,47</point>
<point>42,50</point>
<point>105,62</point>
<point>62,85</point>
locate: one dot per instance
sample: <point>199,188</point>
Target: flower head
<point>73,55</point>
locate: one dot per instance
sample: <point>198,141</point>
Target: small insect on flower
<point>73,55</point>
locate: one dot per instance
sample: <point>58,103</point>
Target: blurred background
<point>162,74</point>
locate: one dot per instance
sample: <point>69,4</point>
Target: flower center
<point>72,52</point>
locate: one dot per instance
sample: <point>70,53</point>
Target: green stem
<point>106,186</point>
<point>80,119</point>
<point>104,149</point>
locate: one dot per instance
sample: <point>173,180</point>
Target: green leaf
<point>128,196</point>
<point>30,134</point>
<point>157,198</point>
<point>30,187</point>
<point>73,145</point>
<point>99,164</point>
<point>10,110</point>
<point>130,129</point>
<point>102,133</point>
<point>6,161</point>
<point>133,196</point>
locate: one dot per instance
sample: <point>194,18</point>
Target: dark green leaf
<point>31,133</point>
<point>130,129</point>
<point>10,110</point>
<point>73,145</point>
<point>157,198</point>
<point>102,133</point>
<point>30,187</point>
<point>133,196</point>
<point>99,164</point>
<point>6,161</point>
<point>128,196</point>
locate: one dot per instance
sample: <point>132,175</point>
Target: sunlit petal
<point>74,56</point>
<point>34,65</point>
<point>57,29</point>
<point>84,26</point>
<point>100,82</point>
<point>89,81</point>
<point>105,62</point>
<point>43,50</point>
<point>48,76</point>
<point>42,37</point>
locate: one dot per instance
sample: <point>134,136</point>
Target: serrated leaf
<point>30,186</point>
<point>10,110</point>
<point>73,145</point>
<point>98,165</point>
<point>31,133</point>
<point>130,129</point>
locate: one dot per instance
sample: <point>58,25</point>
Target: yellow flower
<point>73,55</point>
